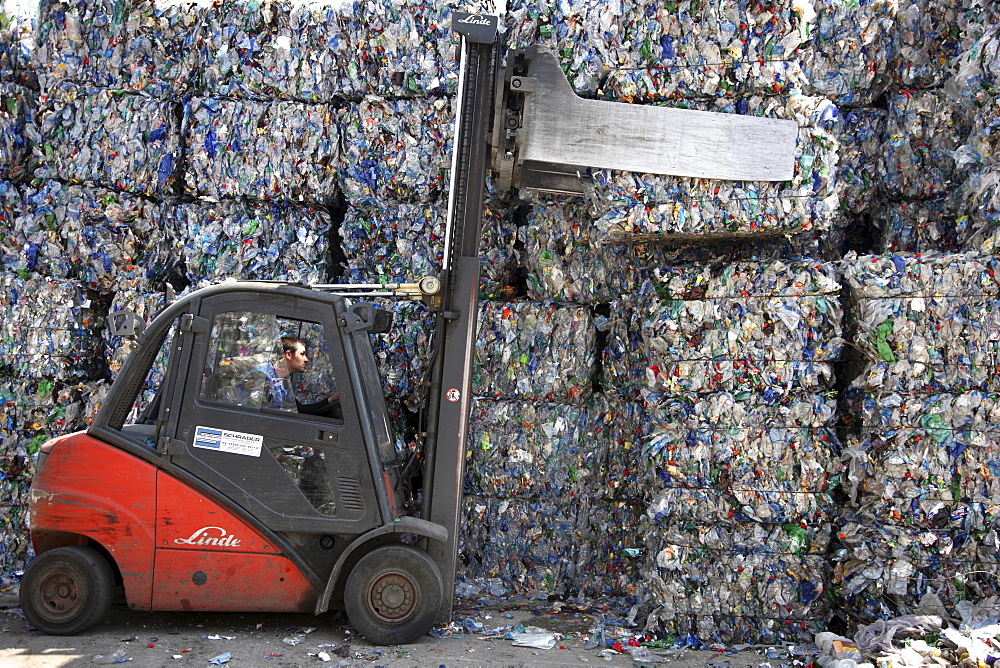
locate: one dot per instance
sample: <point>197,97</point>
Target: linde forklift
<point>201,495</point>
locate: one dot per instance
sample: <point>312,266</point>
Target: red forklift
<point>194,492</point>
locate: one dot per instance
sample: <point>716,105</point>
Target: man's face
<point>296,359</point>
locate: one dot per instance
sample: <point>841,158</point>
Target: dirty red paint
<point>90,489</point>
<point>187,520</point>
<point>207,558</point>
<point>230,582</point>
<point>175,548</point>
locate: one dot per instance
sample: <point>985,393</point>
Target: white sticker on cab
<point>222,440</point>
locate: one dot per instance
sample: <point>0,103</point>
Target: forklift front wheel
<point>67,590</point>
<point>393,595</point>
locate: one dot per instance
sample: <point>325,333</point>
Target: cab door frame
<point>258,483</point>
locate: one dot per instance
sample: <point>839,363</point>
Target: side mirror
<point>368,316</point>
<point>383,321</point>
<point>126,324</point>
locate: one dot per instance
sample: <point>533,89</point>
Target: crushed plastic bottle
<point>119,656</point>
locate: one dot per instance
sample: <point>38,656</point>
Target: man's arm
<point>330,407</point>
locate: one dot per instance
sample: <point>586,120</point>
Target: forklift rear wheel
<point>393,595</point>
<point>67,590</point>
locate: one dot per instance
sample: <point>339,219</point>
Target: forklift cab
<point>226,412</point>
<point>207,487</point>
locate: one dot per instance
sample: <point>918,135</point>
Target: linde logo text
<point>475,19</point>
<point>206,536</point>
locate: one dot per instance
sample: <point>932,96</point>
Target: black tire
<point>67,590</point>
<point>393,595</point>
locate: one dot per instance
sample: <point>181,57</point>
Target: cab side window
<point>247,364</point>
<point>262,362</point>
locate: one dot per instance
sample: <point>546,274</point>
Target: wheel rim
<point>392,597</point>
<point>58,595</point>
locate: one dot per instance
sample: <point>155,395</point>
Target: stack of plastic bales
<point>394,175</point>
<point>534,450</point>
<point>531,466</point>
<point>123,159</point>
<point>647,425</point>
<point>118,81</point>
<point>564,260</point>
<point>922,108</point>
<point>730,57</point>
<point>317,50</point>
<point>654,53</point>
<point>20,101</point>
<point>22,346</point>
<point>919,171</point>
<point>733,364</point>
<point>108,127</point>
<point>975,77</point>
<point>922,472</point>
<point>551,510</point>
<point>65,248</point>
<point>49,345</point>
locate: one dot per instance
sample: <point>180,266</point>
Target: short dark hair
<point>290,343</point>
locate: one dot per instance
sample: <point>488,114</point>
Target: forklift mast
<point>450,397</point>
<point>521,121</point>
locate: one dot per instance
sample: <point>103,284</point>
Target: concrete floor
<point>272,640</point>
